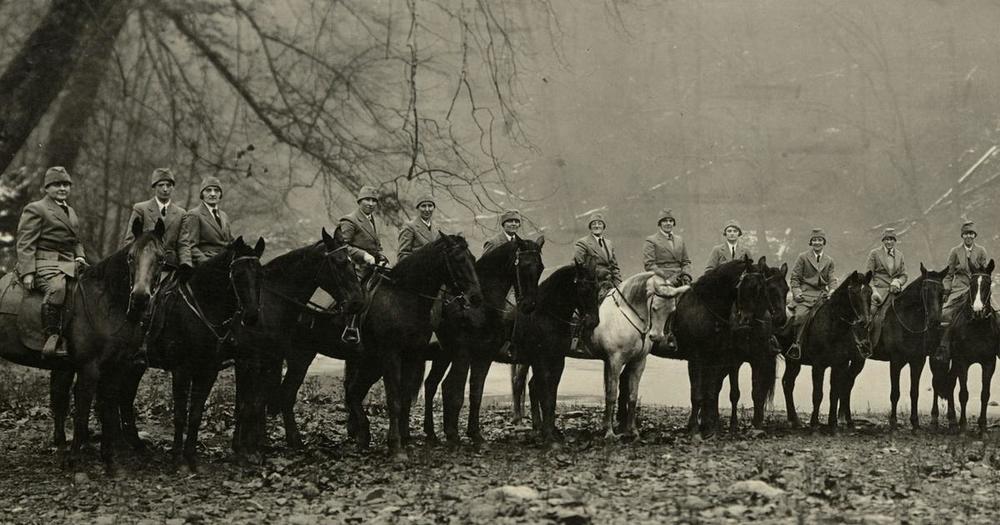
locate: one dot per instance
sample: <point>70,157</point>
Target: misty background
<point>785,115</point>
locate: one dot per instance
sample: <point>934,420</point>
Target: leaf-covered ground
<point>778,475</point>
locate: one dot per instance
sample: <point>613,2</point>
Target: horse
<point>213,305</point>
<point>975,339</point>
<point>835,336</point>
<point>545,337</point>
<point>396,330</point>
<point>734,292</point>
<point>909,333</point>
<point>289,282</point>
<point>758,350</point>
<point>516,264</point>
<point>108,303</point>
<point>631,322</point>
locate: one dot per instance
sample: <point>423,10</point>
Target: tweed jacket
<point>588,249</point>
<point>959,271</point>
<point>414,235</point>
<point>361,237</point>
<point>47,238</point>
<point>810,277</point>
<point>201,238</point>
<point>149,212</point>
<point>885,269</point>
<point>722,254</point>
<point>664,258</point>
<point>496,241</point>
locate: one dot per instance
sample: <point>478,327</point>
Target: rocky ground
<point>778,475</point>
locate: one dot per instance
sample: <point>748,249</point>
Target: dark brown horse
<point>109,300</point>
<point>909,333</point>
<point>975,339</point>
<point>465,345</point>
<point>835,337</point>
<point>396,330</point>
<point>289,282</point>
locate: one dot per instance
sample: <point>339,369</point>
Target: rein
<point>192,301</point>
<point>923,304</point>
<point>309,304</point>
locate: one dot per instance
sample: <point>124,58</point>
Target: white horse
<point>632,320</point>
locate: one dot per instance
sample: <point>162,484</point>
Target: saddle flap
<point>26,307</point>
<point>11,293</point>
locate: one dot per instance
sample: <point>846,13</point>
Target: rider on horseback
<point>664,252</point>
<point>160,207</point>
<point>956,283</point>
<point>418,231</point>
<point>730,250</point>
<point>888,270</point>
<point>595,249</point>
<point>49,252</point>
<point>812,280</point>
<point>361,233</point>
<point>205,229</point>
<point>510,221</point>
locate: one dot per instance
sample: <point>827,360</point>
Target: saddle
<point>875,328</point>
<point>28,309</point>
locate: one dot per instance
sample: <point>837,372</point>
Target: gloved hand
<point>799,297</point>
<point>895,286</point>
<point>369,259</point>
<point>81,263</point>
<point>28,281</point>
<point>382,260</point>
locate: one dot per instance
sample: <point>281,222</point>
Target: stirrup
<point>794,352</point>
<point>54,347</point>
<point>351,335</point>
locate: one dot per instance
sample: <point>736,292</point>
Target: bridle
<point>192,302</point>
<point>860,319</point>
<point>328,268</point>
<point>738,305</point>
<point>923,304</point>
<point>459,297</point>
<point>518,285</point>
<point>987,310</point>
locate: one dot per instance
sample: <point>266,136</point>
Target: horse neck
<point>720,301</point>
<point>422,272</point>
<point>557,294</point>
<point>293,274</point>
<point>495,279</point>
<point>212,289</point>
<point>909,304</point>
<point>112,277</point>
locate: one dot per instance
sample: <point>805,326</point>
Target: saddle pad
<point>11,293</point>
<point>28,311</point>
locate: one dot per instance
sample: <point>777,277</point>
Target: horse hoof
<point>553,445</point>
<point>183,469</point>
<point>610,436</point>
<point>400,457</point>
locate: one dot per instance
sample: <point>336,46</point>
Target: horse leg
<point>107,391</point>
<point>818,373</point>
<point>553,374</point>
<point>181,382</point>
<point>952,378</point>
<point>202,382</point>
<point>453,396</point>
<point>412,375</point>
<point>963,394</point>
<point>297,364</point>
<point>695,380</point>
<point>792,369</point>
<point>125,401</point>
<point>439,367</point>
<point>916,370</point>
<point>60,383</point>
<point>392,380</point>
<point>518,382</point>
<point>84,392</point>
<point>895,367</point>
<point>853,370</point>
<point>477,382</point>
<point>984,397</point>
<point>838,382</point>
<point>734,398</point>
<point>612,372</point>
<point>535,387</point>
<point>634,373</point>
<point>711,399</point>
<point>363,376</point>
<point>623,389</point>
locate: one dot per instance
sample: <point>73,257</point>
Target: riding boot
<point>52,319</point>
<point>943,353</point>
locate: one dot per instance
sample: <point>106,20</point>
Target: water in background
<point>665,382</point>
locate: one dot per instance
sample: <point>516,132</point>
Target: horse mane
<point>633,289</point>
<point>554,283</point>
<point>720,277</point>
<point>492,260</point>
<point>422,262</point>
<point>112,272</point>
<point>284,262</point>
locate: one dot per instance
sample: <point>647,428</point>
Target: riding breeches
<point>51,281</point>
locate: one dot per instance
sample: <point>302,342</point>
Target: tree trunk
<point>36,76</point>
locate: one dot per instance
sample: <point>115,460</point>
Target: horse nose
<point>656,336</point>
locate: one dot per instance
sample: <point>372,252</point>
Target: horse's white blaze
<point>977,304</point>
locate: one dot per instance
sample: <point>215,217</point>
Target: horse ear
<point>868,277</point>
<point>923,271</point>
<point>327,240</point>
<point>238,242</point>
<point>159,229</point>
<point>137,227</point>
<point>540,241</point>
<point>258,249</point>
<point>990,266</point>
<point>784,270</point>
<point>762,262</point>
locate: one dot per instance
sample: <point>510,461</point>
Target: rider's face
<point>968,238</point>
<point>426,210</point>
<point>597,228</point>
<point>211,195</point>
<point>368,205</point>
<point>889,243</point>
<point>667,225</point>
<point>163,190</point>
<point>817,244</point>
<point>58,190</point>
<point>511,226</point>
<point>732,233</point>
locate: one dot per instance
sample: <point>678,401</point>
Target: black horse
<point>975,339</point>
<point>545,337</point>
<point>289,282</point>
<point>755,347</point>
<point>835,337</point>
<point>109,300</point>
<point>462,345</point>
<point>193,329</point>
<point>728,297</point>
<point>910,331</point>
<point>396,329</point>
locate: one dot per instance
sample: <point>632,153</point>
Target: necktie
<point>218,220</point>
<point>64,207</point>
<point>732,250</point>
<point>163,211</point>
<point>605,247</point>
<point>818,256</point>
<point>371,219</point>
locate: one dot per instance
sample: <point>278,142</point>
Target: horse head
<point>528,267</point>
<point>932,294</point>
<point>587,287</point>
<point>336,275</point>
<point>751,298</point>
<point>776,291</point>
<point>461,269</point>
<point>662,300</point>
<point>980,288</point>
<point>858,290</point>
<point>145,260</point>
<point>245,277</point>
